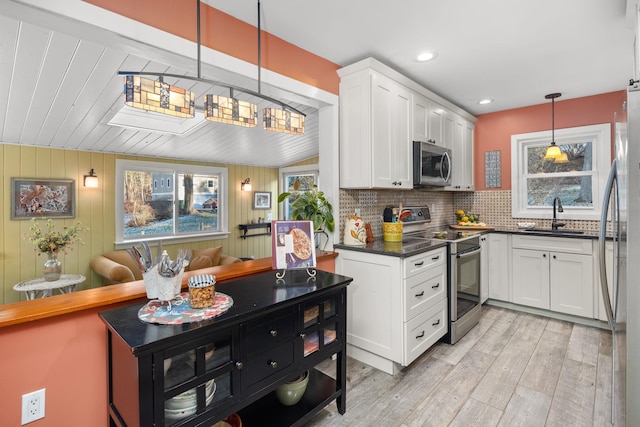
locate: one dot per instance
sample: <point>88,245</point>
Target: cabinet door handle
<point>418,264</point>
<point>273,333</point>
<point>273,364</point>
<point>554,257</point>
<point>303,335</point>
<point>435,258</point>
<point>420,336</point>
<point>435,286</point>
<point>436,324</point>
<point>420,294</point>
<point>239,365</point>
<point>544,255</point>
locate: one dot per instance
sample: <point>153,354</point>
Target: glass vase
<point>52,267</point>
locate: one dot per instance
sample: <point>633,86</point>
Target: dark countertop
<point>587,234</point>
<point>397,249</point>
<point>402,250</point>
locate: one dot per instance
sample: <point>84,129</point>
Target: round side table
<point>40,288</point>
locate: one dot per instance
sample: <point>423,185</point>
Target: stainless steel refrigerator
<point>621,294</point>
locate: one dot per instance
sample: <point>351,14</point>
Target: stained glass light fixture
<point>279,120</point>
<point>230,110</point>
<point>553,151</point>
<point>158,96</point>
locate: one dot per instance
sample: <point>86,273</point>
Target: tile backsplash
<point>494,207</point>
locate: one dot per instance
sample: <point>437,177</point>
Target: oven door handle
<point>468,252</point>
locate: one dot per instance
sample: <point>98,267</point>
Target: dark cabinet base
<point>269,412</point>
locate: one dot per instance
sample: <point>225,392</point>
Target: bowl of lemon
<point>468,219</point>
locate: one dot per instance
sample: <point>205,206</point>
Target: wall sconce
<point>91,180</point>
<point>245,185</point>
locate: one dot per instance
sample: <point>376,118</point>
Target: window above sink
<point>579,182</point>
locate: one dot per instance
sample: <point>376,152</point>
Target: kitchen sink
<point>558,231</point>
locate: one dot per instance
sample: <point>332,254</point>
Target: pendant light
<point>553,151</point>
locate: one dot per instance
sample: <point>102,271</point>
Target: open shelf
<point>246,227</point>
<point>268,411</point>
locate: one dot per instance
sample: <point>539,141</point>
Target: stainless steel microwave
<point>431,165</point>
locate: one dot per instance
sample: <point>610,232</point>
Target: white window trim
<point>123,165</point>
<point>291,170</point>
<point>600,135</point>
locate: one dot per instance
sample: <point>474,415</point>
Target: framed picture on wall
<point>262,200</point>
<point>47,198</point>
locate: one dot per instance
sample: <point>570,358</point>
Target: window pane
<point>198,195</point>
<point>579,156</point>
<point>296,184</point>
<point>147,211</point>
<point>573,191</point>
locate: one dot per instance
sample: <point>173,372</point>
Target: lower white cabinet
<point>397,307</point>
<point>497,258</point>
<point>554,274</point>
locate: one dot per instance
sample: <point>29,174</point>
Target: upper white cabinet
<point>375,126</point>
<point>381,113</point>
<point>458,134</point>
<point>428,120</point>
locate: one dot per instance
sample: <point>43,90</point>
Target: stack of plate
<point>185,404</point>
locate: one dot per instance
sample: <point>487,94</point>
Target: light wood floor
<point>512,369</point>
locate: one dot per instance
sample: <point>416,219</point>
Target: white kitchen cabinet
<point>531,278</point>
<point>461,145</point>
<point>375,132</point>
<point>496,250</point>
<point>428,120</point>
<point>553,273</point>
<point>397,307</point>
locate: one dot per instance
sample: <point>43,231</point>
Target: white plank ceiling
<point>59,90</point>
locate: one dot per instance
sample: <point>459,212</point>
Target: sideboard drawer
<point>271,362</point>
<point>265,333</point>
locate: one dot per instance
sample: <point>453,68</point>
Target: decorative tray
<point>180,311</point>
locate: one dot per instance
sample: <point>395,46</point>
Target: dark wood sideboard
<point>275,331</point>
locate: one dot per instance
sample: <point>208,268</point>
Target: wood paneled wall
<point>95,209</point>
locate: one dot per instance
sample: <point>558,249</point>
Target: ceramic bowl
<point>188,399</point>
<point>173,415</point>
<point>290,393</point>
<point>526,225</point>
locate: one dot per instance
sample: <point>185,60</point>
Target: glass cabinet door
<point>196,379</point>
<point>320,322</point>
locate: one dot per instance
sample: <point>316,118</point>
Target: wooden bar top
<point>27,311</point>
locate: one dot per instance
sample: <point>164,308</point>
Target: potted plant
<point>310,205</point>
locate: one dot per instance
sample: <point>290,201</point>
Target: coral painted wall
<point>493,131</point>
<point>226,34</point>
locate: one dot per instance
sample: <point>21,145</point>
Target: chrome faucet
<point>555,224</point>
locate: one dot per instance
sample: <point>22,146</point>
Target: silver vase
<point>52,267</point>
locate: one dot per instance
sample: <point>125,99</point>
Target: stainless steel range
<point>465,306</point>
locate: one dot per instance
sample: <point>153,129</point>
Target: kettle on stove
<point>354,231</point>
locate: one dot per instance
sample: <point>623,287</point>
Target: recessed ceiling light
<point>426,56</point>
<point>485,101</point>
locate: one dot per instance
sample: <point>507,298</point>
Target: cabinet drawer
<point>425,289</point>
<point>267,332</point>
<point>557,244</point>
<point>419,263</point>
<point>424,330</point>
<point>270,362</point>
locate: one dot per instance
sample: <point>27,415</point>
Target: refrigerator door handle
<point>604,286</point>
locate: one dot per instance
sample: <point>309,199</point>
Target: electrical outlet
<point>357,211</point>
<point>33,406</point>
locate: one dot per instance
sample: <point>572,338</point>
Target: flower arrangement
<point>49,240</point>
